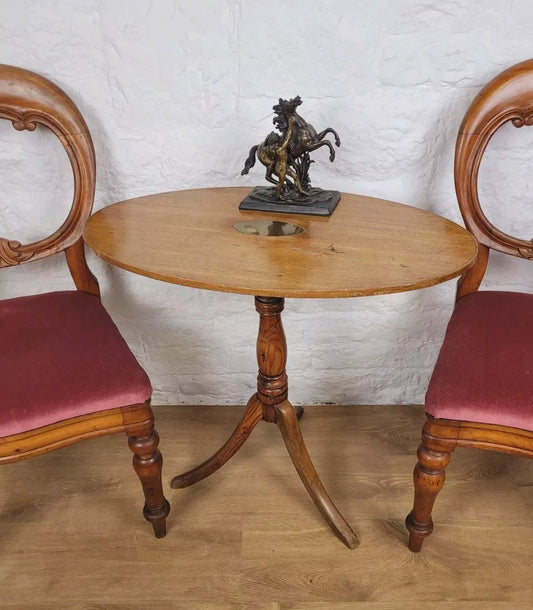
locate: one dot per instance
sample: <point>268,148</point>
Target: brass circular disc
<point>267,228</point>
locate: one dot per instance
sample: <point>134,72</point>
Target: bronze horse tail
<point>250,162</point>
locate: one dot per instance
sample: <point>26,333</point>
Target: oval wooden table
<point>369,246</point>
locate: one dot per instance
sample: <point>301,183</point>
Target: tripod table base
<point>270,403</point>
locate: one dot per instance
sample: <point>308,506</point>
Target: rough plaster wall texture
<point>175,93</point>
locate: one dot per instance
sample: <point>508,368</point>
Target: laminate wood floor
<point>72,535</point>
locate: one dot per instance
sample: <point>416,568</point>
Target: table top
<point>368,246</point>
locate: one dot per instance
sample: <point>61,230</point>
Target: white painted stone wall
<point>176,92</point>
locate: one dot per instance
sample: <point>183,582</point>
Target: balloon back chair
<point>481,391</point>
<point>66,374</point>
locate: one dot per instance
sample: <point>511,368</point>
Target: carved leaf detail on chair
<point>22,120</point>
<point>523,118</point>
<point>24,123</point>
<point>526,252</point>
<point>11,253</point>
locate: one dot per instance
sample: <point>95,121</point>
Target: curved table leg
<point>270,404</point>
<point>252,415</point>
<point>292,436</point>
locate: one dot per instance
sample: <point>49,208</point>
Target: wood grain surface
<point>265,547</point>
<point>369,246</point>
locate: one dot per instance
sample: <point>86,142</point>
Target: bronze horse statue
<point>288,155</point>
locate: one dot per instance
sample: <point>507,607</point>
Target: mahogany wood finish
<point>28,100</point>
<point>368,246</point>
<point>508,97</point>
<point>81,274</point>
<point>293,439</point>
<point>270,404</point>
<point>251,417</point>
<point>253,414</point>
<point>148,462</point>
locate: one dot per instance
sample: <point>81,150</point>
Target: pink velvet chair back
<point>28,99</point>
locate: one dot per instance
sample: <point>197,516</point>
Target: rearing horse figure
<point>304,137</point>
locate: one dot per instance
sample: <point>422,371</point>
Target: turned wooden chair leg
<point>429,478</point>
<point>148,462</point>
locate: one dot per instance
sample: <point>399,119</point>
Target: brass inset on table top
<point>267,228</point>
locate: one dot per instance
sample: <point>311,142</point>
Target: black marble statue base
<point>317,203</point>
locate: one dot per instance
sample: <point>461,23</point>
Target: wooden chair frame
<point>508,97</point>
<point>27,100</point>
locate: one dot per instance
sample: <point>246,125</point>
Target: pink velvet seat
<point>484,372</point>
<point>68,359</point>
